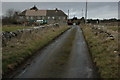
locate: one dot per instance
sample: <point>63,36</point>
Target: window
<point>59,17</point>
<point>31,17</point>
<point>53,17</point>
<point>21,17</point>
<point>40,17</point>
<point>48,17</point>
<point>43,17</point>
<point>27,17</point>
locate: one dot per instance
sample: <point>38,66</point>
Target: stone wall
<point>7,36</point>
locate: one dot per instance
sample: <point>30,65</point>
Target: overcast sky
<point>100,10</point>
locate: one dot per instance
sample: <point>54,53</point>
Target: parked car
<point>41,21</point>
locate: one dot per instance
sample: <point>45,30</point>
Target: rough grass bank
<point>103,46</point>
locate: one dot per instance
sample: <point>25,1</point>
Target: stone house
<point>33,14</point>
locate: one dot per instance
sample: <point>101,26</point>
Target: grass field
<point>104,51</point>
<point>13,28</point>
<point>18,49</point>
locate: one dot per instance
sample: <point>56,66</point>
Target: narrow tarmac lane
<point>66,57</point>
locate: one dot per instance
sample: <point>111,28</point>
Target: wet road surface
<point>66,57</point>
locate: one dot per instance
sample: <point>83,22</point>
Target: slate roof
<point>35,12</point>
<point>55,13</point>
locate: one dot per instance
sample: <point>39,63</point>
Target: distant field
<point>13,28</point>
<point>104,50</point>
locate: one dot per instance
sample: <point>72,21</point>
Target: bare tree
<point>11,16</point>
<point>10,13</point>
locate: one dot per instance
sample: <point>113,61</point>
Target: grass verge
<point>104,52</point>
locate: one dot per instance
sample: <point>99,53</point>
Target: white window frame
<point>53,17</point>
<point>48,17</point>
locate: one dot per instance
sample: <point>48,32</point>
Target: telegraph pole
<point>82,12</point>
<point>68,13</point>
<point>86,13</point>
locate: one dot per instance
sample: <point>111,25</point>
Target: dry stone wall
<point>7,36</point>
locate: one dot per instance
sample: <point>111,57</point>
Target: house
<point>51,16</point>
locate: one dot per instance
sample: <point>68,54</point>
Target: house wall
<point>50,19</point>
<point>56,19</point>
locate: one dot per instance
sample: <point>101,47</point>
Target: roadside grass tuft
<point>102,50</point>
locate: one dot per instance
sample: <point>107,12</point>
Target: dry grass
<point>22,47</point>
<point>104,52</point>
